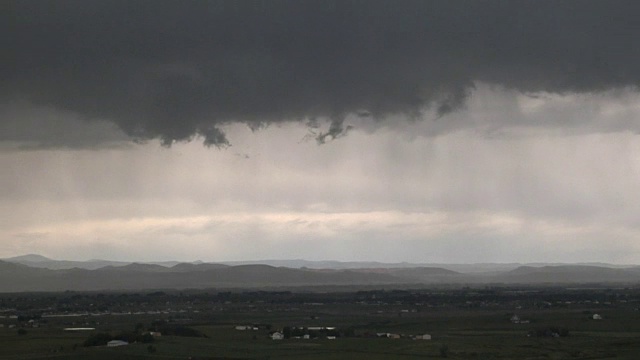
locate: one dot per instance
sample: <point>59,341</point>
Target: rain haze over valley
<point>320,179</point>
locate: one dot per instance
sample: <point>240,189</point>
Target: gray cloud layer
<point>173,70</point>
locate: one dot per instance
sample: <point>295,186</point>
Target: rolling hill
<point>20,274</point>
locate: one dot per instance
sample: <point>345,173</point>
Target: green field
<point>458,332</point>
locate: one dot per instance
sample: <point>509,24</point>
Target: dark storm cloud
<point>176,69</point>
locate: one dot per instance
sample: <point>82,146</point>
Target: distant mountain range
<point>38,273</point>
<point>40,261</point>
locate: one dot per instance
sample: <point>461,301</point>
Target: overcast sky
<point>420,131</point>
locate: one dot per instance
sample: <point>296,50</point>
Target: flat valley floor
<point>491,322</point>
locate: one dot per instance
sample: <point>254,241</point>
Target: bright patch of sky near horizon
<point>481,184</point>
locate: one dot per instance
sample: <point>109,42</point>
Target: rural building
<point>114,343</point>
<point>277,336</point>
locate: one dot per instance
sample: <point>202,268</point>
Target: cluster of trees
<point>167,328</point>
<point>101,338</point>
<point>141,336</point>
<point>290,332</point>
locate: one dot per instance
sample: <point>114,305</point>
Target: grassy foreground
<point>458,332</point>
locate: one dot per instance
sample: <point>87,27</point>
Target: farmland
<point>367,323</point>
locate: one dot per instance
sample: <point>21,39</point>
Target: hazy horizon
<point>267,261</point>
<point>419,131</point>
